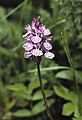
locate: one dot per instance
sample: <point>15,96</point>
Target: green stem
<point>43,94</point>
<point>70,60</point>
<point>76,88</point>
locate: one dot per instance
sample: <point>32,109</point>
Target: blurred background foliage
<point>20,95</point>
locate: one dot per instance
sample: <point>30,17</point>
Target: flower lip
<point>28,46</point>
<point>36,39</point>
<point>47,32</point>
<point>47,46</point>
<point>37,52</point>
<point>49,55</point>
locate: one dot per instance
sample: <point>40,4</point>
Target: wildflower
<point>38,39</point>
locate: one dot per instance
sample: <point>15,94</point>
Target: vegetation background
<point>20,95</point>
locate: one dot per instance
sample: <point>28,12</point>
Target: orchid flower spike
<point>38,39</point>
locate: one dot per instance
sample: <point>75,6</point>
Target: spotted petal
<point>28,46</point>
<point>49,55</point>
<point>27,55</point>
<point>47,32</point>
<point>25,35</point>
<point>36,39</point>
<point>47,46</point>
<point>28,28</point>
<point>33,23</point>
<point>37,52</point>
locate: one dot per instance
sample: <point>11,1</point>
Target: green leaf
<point>68,109</point>
<point>49,69</point>
<point>24,95</point>
<point>65,93</point>
<point>21,102</point>
<point>77,118</point>
<point>21,91</point>
<point>36,109</point>
<point>35,84</point>
<point>22,113</point>
<point>65,74</point>
<point>40,107</point>
<point>38,94</point>
<point>17,88</point>
<point>69,75</point>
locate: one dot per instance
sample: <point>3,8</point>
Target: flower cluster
<point>38,39</point>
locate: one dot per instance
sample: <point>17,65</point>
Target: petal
<point>49,55</point>
<point>49,38</point>
<point>28,28</point>
<point>38,18</point>
<point>47,46</point>
<point>47,32</point>
<point>25,36</point>
<point>43,28</point>
<point>28,46</point>
<point>27,55</point>
<point>33,23</point>
<point>28,38</point>
<point>37,52</point>
<point>36,39</point>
